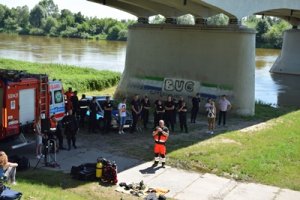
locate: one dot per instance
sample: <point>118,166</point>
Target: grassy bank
<point>81,79</point>
<point>268,152</point>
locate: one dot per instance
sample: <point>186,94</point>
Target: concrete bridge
<point>183,60</point>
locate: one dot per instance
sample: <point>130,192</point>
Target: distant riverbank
<point>79,78</point>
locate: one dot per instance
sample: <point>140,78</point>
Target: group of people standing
<point>168,111</point>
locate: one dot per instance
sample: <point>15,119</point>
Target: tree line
<point>45,19</point>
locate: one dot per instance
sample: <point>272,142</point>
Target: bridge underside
<point>288,9</point>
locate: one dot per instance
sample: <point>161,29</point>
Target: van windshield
<point>58,96</point>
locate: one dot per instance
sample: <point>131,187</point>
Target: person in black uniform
<point>196,104</point>
<point>136,111</point>
<point>71,128</point>
<point>93,107</point>
<point>107,106</point>
<point>169,114</point>
<point>154,113</point>
<point>182,110</point>
<point>175,102</point>
<point>159,112</point>
<point>74,100</point>
<point>83,105</point>
<point>145,111</point>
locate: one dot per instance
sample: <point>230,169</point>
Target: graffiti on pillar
<point>174,85</point>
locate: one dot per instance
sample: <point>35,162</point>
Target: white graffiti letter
<point>168,86</point>
<point>189,86</point>
<point>179,85</point>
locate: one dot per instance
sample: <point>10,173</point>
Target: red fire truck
<point>24,97</point>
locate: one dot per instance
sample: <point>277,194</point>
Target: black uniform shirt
<point>136,105</point>
<point>181,111</point>
<point>93,107</point>
<point>160,108</point>
<point>145,104</point>
<point>196,101</point>
<point>107,105</point>
<point>169,104</point>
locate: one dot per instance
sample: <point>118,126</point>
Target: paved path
<point>185,185</point>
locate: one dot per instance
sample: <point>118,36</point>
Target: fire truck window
<point>1,102</point>
<point>50,97</point>
<point>58,96</point>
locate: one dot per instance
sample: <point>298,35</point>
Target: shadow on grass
<point>49,178</point>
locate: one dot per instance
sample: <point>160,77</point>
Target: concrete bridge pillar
<point>288,61</point>
<point>182,61</point>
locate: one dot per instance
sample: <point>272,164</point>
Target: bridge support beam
<point>182,61</point>
<point>288,61</point>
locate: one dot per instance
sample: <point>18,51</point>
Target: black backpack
<point>84,172</point>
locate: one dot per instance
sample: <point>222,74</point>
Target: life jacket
<point>160,138</point>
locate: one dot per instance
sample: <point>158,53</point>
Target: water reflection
<point>269,88</point>
<point>289,91</point>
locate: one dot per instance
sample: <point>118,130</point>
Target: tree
<point>79,18</point>
<point>157,19</point>
<point>23,17</point>
<point>3,15</point>
<point>113,33</point>
<point>123,34</point>
<point>50,7</point>
<point>50,24</point>
<point>218,20</point>
<point>274,37</point>
<point>262,28</point>
<point>186,19</point>
<point>67,17</point>
<point>10,24</point>
<point>37,15</point>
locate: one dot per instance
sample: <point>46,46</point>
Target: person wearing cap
<point>195,108</point>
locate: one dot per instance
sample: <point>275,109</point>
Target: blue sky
<point>85,7</point>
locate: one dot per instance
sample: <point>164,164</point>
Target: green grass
<point>52,185</point>
<point>81,79</point>
<point>269,154</point>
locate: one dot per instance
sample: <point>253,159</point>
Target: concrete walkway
<point>183,185</point>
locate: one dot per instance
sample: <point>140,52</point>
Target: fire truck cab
<point>24,97</point>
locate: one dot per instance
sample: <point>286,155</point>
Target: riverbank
<point>79,78</point>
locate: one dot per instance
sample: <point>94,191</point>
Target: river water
<point>270,88</point>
